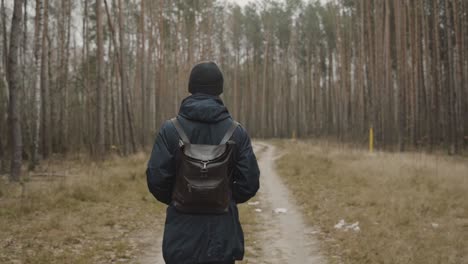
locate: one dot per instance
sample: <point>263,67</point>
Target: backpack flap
<point>204,152</point>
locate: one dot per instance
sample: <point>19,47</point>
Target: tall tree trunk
<point>37,82</point>
<point>5,36</point>
<point>25,94</point>
<point>84,54</point>
<point>428,80</point>
<point>123,79</point>
<point>450,82</point>
<point>437,106</point>
<point>14,79</point>
<point>66,34</point>
<point>458,73</point>
<point>100,133</point>
<point>388,78</point>
<point>142,76</point>
<point>109,134</point>
<point>161,67</point>
<point>3,123</point>
<point>4,92</point>
<point>45,90</point>
<point>403,75</point>
<point>263,124</point>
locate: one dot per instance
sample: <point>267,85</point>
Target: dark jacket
<point>202,238</point>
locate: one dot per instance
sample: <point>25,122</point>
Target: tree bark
<point>45,90</point>
<point>450,82</point>
<point>37,83</point>
<point>142,76</point>
<point>263,123</point>
<point>100,133</point>
<point>161,55</point>
<point>14,79</point>
<point>5,35</point>
<point>459,89</point>
<point>65,51</point>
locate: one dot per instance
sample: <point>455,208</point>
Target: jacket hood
<point>204,108</point>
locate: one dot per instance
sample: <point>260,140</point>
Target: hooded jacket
<point>190,239</point>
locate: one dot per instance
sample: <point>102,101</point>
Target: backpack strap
<point>180,130</point>
<point>229,133</point>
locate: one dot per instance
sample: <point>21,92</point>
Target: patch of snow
<point>280,210</point>
<point>253,203</point>
<point>258,210</point>
<point>435,225</point>
<point>342,225</point>
<point>354,227</point>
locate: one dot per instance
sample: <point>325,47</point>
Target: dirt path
<point>151,242</point>
<point>285,238</point>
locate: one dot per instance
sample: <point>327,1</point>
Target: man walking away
<point>202,165</point>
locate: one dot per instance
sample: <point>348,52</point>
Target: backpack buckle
<point>204,170</point>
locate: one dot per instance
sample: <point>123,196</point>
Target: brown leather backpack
<point>203,174</point>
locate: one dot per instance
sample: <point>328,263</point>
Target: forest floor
<point>76,210</point>
<point>318,203</point>
<point>381,207</point>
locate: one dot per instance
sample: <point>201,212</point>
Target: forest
<point>85,86</point>
<point>100,76</point>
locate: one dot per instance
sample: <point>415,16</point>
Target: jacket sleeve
<point>160,173</point>
<point>246,173</point>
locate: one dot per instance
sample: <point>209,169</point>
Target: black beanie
<point>206,78</point>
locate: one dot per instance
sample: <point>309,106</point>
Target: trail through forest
<point>283,236</point>
<point>152,241</point>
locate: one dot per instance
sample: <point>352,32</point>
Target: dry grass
<point>251,226</point>
<point>87,212</point>
<point>411,207</point>
<point>90,213</point>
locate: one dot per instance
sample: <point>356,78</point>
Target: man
<point>202,238</point>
